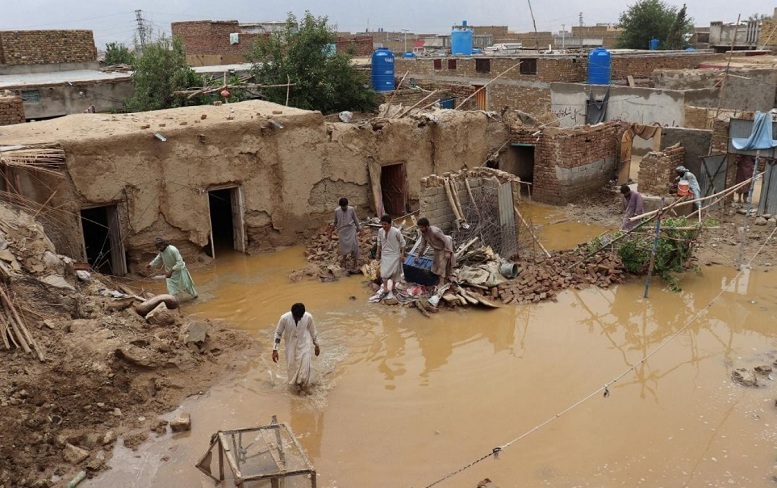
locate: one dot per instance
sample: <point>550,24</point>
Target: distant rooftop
<point>58,78</point>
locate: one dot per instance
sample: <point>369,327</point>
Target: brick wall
<point>642,65</point>
<point>494,30</point>
<point>11,110</point>
<point>529,99</point>
<point>47,47</point>
<point>211,38</point>
<point>767,36</point>
<point>483,183</point>
<point>656,171</point>
<point>354,45</point>
<point>570,163</point>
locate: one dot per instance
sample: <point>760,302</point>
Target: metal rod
<point>655,247</point>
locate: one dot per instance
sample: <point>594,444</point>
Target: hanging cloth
<point>760,136</point>
<point>596,110</point>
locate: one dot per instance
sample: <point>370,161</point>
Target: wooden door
<point>238,213</point>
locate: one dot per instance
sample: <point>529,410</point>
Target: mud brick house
<point>55,73</point>
<point>262,176</point>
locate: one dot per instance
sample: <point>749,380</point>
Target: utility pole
<point>404,31</point>
<point>141,29</point>
<point>581,30</point>
<point>563,35</point>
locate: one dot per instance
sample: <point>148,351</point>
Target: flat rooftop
<point>58,78</point>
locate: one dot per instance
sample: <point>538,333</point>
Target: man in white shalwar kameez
<point>346,223</point>
<point>391,252</point>
<point>177,277</point>
<point>298,332</point>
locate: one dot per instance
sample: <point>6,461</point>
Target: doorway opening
<point>227,230</point>
<point>481,100</point>
<point>103,245</point>
<point>523,163</point>
<point>393,184</point>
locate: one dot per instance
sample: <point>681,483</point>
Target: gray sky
<point>114,20</point>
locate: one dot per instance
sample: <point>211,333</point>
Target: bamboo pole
<point>394,93</point>
<point>484,86</point>
<point>414,106</point>
<point>725,74</point>
<point>725,192</point>
<point>4,332</point>
<point>655,247</point>
<point>531,232</point>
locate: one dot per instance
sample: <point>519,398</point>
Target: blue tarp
<point>761,135</point>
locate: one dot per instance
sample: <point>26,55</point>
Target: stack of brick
<point>11,110</point>
<point>542,278</point>
<point>656,171</point>
<point>47,47</point>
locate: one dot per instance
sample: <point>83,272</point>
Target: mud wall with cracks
<point>291,171</point>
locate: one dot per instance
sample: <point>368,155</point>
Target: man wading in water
<point>298,332</point>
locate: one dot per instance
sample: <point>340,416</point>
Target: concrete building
<point>56,73</point>
<point>724,37</point>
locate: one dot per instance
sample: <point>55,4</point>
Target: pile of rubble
<point>541,278</point>
<point>98,366</point>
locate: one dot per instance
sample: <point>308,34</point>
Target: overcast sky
<point>114,20</point>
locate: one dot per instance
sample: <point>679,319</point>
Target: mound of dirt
<point>106,371</point>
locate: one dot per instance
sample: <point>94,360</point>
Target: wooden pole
<point>531,232</point>
<point>725,74</point>
<point>747,213</point>
<point>394,93</point>
<point>484,86</point>
<point>655,247</point>
<point>288,89</point>
<point>414,106</point>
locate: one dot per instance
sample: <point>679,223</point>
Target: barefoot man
<point>177,276</point>
<point>444,260</point>
<point>346,223</point>
<point>391,252</point>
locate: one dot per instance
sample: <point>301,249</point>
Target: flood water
<point>403,400</point>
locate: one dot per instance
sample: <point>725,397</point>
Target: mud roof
<point>102,125</point>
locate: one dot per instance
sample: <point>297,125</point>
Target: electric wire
<point>605,388</point>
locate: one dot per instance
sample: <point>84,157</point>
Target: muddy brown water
<point>403,400</point>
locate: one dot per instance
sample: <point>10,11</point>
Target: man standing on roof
<point>177,276</point>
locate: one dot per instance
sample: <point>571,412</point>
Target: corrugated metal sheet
<point>741,129</point>
<point>507,221</point>
<point>767,204</point>
<point>713,175</point>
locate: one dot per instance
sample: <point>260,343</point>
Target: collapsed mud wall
<point>290,166</point>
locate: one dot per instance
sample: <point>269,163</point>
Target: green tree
<point>680,32</point>
<point>118,53</point>
<point>323,80</point>
<point>159,71</point>
<point>648,19</point>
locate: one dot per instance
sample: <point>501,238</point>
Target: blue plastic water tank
<point>408,55</point>
<point>461,42</point>
<point>382,70</point>
<point>653,44</point>
<point>599,66</point>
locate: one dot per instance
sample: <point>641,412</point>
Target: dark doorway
<point>103,245</point>
<point>226,220</point>
<point>393,186</point>
<point>523,163</point>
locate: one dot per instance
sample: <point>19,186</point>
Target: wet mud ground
<point>404,400</point>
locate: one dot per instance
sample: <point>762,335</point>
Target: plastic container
<point>382,70</point>
<point>461,42</point>
<point>653,44</point>
<point>599,66</point>
<point>408,55</point>
<point>683,188</point>
<point>421,272</point>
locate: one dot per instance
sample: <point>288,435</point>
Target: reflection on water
<point>407,399</point>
